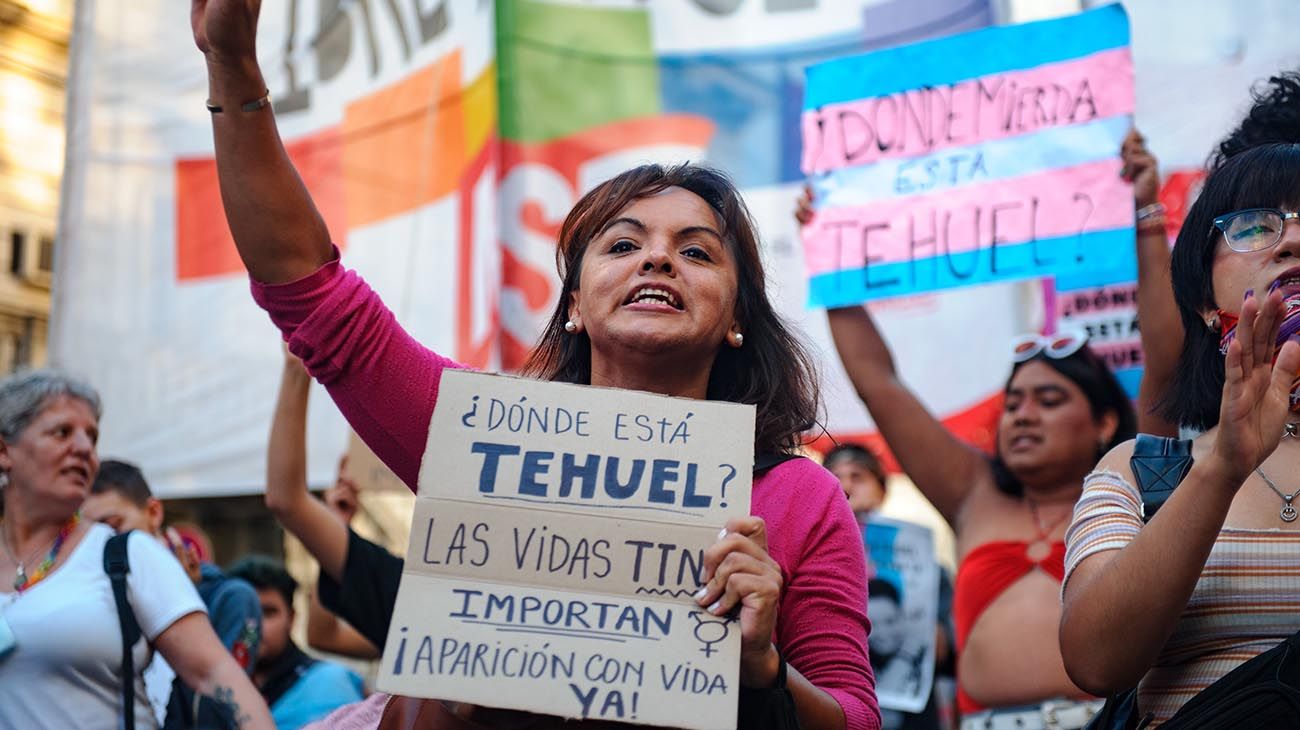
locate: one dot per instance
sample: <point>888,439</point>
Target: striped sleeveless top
<point>1246,601</point>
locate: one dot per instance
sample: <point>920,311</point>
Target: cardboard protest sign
<point>1108,315</point>
<point>982,157</point>
<point>903,598</point>
<point>557,538</point>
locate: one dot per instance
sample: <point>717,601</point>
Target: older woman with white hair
<point>61,647</point>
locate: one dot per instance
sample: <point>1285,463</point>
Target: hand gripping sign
<point>556,540</point>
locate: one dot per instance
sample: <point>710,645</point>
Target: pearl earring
<point>570,327</point>
<point>740,339</point>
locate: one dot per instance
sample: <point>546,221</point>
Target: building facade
<point>34,39</point>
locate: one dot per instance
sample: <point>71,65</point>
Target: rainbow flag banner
<point>982,157</point>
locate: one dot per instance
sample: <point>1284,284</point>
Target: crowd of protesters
<point>1108,571</point>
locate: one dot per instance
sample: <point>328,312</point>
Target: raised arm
<point>942,467</point>
<point>1144,582</point>
<point>383,380</point>
<point>1161,327</point>
<point>321,531</point>
<point>277,229</point>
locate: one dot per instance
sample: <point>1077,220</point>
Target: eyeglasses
<point>1253,229</point>
<point>1058,346</point>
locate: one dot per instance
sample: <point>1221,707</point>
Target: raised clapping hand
<point>1256,391</point>
<point>225,29</point>
<point>739,572</point>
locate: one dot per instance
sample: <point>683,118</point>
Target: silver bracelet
<point>1155,210</point>
<point>250,106</point>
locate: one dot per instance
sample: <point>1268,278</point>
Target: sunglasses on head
<point>1057,346</point>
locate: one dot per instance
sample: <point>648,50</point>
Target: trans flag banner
<point>990,156</point>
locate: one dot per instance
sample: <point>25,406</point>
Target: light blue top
<point>323,688</point>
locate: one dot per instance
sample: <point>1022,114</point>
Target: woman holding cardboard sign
<point>1063,409</point>
<point>663,291</point>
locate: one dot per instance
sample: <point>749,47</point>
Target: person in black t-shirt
<point>371,573</point>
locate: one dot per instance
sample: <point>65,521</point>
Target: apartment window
<point>45,256</point>
<point>9,352</point>
<point>17,244</point>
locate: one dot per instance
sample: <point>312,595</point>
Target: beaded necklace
<point>23,581</point>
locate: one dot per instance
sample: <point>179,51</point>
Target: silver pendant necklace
<point>1288,513</point>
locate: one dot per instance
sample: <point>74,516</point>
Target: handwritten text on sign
<point>989,156</point>
<point>557,538</point>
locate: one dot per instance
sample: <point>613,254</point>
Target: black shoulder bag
<point>205,713</point>
<point>117,565</point>
<point>1261,693</point>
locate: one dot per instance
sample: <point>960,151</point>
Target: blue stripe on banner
<point>1107,253</point>
<point>1001,159</point>
<point>970,55</point>
<point>1130,378</point>
<point>1124,273</point>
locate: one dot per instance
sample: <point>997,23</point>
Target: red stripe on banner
<point>472,352</point>
<point>204,246</point>
<point>977,426</point>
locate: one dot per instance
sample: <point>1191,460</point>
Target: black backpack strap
<point>117,565</point>
<point>766,461</point>
<point>1159,463</point>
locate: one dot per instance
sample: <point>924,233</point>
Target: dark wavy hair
<point>857,454</point>
<point>773,371</point>
<point>1274,118</point>
<point>1103,391</point>
<point>1263,176</point>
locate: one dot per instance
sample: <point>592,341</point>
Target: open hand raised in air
<point>1256,390</point>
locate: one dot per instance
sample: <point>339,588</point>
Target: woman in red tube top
<point>1063,410</point>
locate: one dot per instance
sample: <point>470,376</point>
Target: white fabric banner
<point>444,142</point>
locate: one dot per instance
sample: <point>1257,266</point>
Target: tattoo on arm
<point>224,697</point>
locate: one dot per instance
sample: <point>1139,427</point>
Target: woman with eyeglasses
<point>1212,578</point>
<point>1063,410</point>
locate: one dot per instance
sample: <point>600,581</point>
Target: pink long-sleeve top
<point>386,385</point>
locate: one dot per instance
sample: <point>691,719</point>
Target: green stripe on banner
<point>566,68</point>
